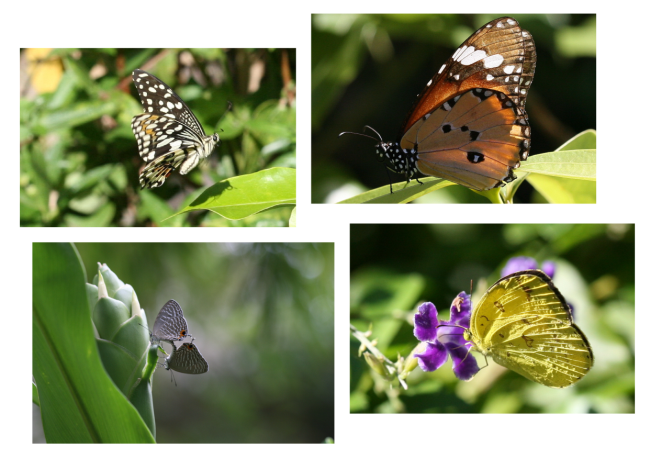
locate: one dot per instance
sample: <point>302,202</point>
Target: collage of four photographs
<point>203,336</point>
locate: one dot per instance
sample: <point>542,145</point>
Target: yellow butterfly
<point>524,323</point>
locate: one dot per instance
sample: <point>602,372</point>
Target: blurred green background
<point>262,316</point>
<point>594,271</point>
<point>368,69</point>
<point>79,157</point>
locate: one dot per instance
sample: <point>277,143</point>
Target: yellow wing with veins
<point>524,323</point>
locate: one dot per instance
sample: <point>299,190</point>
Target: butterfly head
<point>401,160</point>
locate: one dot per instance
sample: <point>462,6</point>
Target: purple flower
<point>549,268</point>
<point>525,263</point>
<point>519,263</point>
<point>446,338</point>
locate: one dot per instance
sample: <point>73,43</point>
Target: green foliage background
<point>394,268</point>
<point>262,316</point>
<point>79,158</point>
<point>368,69</point>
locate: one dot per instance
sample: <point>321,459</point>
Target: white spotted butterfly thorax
<point>469,125</point>
<point>169,135</point>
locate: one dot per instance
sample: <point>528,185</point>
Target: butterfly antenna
<point>373,130</point>
<point>227,110</point>
<point>362,135</point>
<point>380,140</point>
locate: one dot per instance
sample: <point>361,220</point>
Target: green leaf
<point>406,192</point>
<point>403,192</point>
<point>73,116</point>
<point>377,293</point>
<point>241,196</point>
<point>584,140</point>
<point>578,41</point>
<point>155,208</point>
<point>79,402</point>
<point>567,176</point>
<point>564,190</point>
<point>579,164</point>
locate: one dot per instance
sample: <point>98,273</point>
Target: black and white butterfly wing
<point>169,135</point>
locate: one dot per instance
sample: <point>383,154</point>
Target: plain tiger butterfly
<point>469,125</point>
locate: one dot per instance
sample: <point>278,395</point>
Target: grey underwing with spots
<point>170,324</point>
<point>187,360</point>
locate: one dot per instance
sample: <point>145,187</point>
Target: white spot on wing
<point>493,61</point>
<point>473,56</point>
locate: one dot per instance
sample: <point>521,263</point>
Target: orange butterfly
<point>469,125</point>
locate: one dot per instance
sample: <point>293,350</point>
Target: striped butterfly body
<point>169,135</point>
<point>469,125</point>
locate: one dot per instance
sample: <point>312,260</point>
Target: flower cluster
<point>446,338</point>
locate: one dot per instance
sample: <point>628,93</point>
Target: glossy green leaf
<point>79,402</point>
<point>241,196</point>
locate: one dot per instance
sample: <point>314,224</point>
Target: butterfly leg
<point>388,175</point>
<point>410,172</point>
